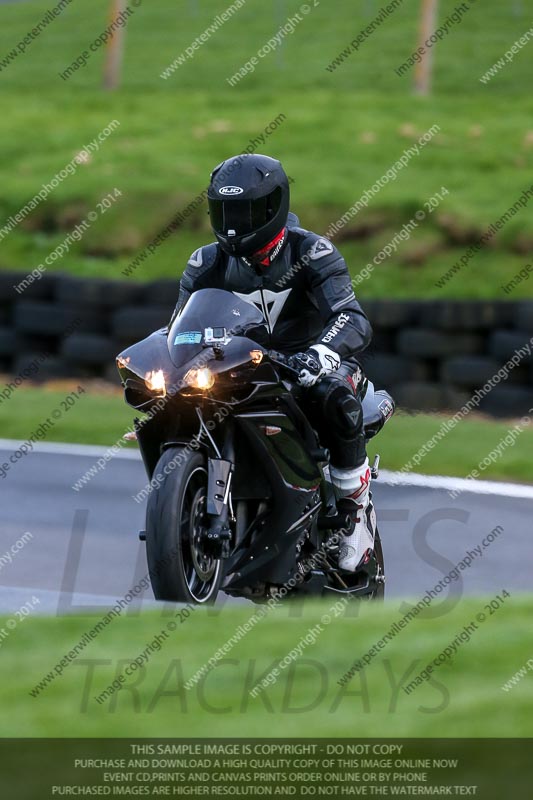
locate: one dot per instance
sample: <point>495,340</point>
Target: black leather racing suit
<point>307,298</point>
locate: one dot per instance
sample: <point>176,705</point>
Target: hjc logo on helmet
<point>231,190</point>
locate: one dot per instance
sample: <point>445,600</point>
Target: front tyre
<point>379,593</point>
<point>176,520</point>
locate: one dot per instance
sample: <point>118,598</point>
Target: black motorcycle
<point>240,498</point>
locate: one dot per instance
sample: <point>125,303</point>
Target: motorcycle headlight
<point>200,378</point>
<point>155,382</point>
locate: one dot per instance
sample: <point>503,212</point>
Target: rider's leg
<point>339,420</point>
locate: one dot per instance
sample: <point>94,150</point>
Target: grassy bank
<point>353,123</point>
<point>463,698</point>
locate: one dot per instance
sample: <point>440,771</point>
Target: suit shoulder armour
<point>314,247</point>
<point>204,258</point>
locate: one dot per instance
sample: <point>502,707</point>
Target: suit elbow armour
<point>359,337</point>
<point>362,329</point>
<point>367,333</point>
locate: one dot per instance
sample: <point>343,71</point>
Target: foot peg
<point>142,536</point>
<point>336,522</point>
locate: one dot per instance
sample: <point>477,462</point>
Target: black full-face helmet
<point>249,199</point>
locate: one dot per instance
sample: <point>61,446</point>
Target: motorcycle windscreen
<point>148,355</point>
<point>210,315</point>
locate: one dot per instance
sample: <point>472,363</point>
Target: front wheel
<point>176,520</point>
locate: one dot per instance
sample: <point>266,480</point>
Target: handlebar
<point>281,361</point>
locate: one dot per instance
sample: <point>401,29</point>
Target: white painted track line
<point>64,449</point>
<point>501,489</point>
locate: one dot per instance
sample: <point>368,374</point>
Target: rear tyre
<point>176,519</point>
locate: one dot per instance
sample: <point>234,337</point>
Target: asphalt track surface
<point>85,553</point>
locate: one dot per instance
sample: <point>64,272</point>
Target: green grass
<point>461,450</point>
<point>397,443</point>
<point>464,698</point>
<point>158,34</point>
<point>109,416</point>
<point>342,131</point>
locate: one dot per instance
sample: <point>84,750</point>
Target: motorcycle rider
<point>301,284</point>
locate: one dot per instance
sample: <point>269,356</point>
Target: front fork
<point>220,513</point>
<point>218,535</point>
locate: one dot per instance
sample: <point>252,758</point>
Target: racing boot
<point>357,543</point>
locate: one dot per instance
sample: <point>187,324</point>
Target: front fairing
<point>145,356</point>
<point>185,346</point>
<point>151,355</point>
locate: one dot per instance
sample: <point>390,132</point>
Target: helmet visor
<point>244,216</point>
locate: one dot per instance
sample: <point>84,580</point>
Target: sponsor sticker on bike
<point>188,337</point>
